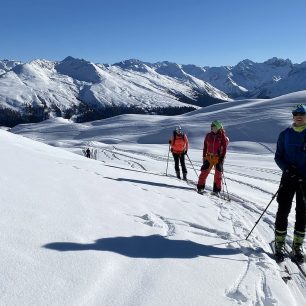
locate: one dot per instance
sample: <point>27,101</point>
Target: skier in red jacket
<point>214,151</point>
<point>179,147</point>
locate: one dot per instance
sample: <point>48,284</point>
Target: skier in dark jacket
<point>88,153</point>
<point>290,156</point>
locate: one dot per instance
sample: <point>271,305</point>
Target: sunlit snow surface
<point>118,231</point>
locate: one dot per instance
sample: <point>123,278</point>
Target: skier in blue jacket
<point>290,156</point>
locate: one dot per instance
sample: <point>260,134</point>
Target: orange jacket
<point>179,144</point>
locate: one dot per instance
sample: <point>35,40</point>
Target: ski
<point>284,271</point>
<point>301,266</point>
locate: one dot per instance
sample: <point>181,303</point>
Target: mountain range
<point>80,90</point>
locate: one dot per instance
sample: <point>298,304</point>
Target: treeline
<point>31,114</point>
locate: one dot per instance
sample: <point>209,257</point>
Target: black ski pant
<point>288,188</point>
<point>179,158</point>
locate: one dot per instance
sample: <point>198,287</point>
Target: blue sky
<point>201,32</point>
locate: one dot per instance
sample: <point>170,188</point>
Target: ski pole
<point>228,197</point>
<point>263,212</point>
<point>192,165</point>
<point>168,161</point>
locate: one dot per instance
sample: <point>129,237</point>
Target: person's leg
<point>218,176</point>
<point>176,158</point>
<point>184,169</point>
<point>284,198</point>
<point>300,223</point>
<point>205,169</point>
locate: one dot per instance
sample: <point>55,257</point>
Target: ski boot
<point>297,247</point>
<point>185,176</point>
<point>280,238</point>
<point>216,191</point>
<point>178,175</point>
<point>200,189</point>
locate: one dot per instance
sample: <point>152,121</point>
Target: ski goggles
<point>298,114</point>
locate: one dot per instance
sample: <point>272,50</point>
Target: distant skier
<point>179,147</point>
<point>290,156</point>
<point>214,151</point>
<point>88,153</point>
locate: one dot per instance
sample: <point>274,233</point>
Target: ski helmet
<point>178,129</point>
<point>217,124</point>
<point>299,109</point>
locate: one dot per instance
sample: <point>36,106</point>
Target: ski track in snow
<point>241,220</point>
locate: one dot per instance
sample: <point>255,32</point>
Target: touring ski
<point>283,267</point>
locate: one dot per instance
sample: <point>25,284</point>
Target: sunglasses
<point>298,114</point>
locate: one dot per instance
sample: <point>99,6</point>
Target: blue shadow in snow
<point>154,246</point>
<point>149,183</point>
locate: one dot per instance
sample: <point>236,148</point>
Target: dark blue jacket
<point>291,150</point>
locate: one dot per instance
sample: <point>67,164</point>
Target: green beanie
<point>217,124</point>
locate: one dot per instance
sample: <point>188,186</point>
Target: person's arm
<point>186,143</point>
<point>280,152</point>
<point>205,147</point>
<point>223,148</point>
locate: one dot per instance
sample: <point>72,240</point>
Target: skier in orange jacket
<point>214,151</point>
<point>179,147</point>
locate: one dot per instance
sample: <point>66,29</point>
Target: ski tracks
<point>165,225</point>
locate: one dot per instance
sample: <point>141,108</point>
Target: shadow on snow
<point>154,246</point>
<point>149,183</point>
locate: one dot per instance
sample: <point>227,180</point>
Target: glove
<point>170,141</point>
<point>185,152</point>
<point>221,159</point>
<point>292,172</point>
<point>219,167</point>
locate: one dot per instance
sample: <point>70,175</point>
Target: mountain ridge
<point>81,90</point>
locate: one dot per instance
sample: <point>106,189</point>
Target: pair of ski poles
<point>188,159</point>
<point>223,177</point>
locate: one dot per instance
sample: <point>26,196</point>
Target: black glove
<point>219,167</point>
<point>170,141</point>
<point>292,172</point>
<point>185,152</point>
<point>221,159</point>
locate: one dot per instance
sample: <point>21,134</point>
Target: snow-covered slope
<point>258,121</point>
<point>118,231</point>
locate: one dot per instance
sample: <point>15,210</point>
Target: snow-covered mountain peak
<point>173,70</point>
<point>278,62</point>
<point>79,69</point>
<point>245,64</point>
<point>7,65</point>
<point>133,64</point>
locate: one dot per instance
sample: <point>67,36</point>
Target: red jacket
<point>179,143</point>
<point>215,144</point>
